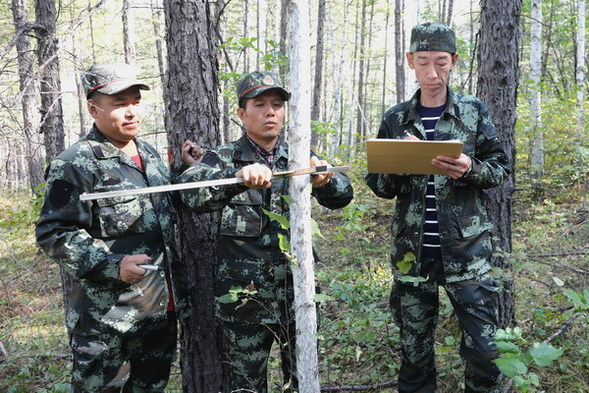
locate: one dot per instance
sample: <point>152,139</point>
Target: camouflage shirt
<point>465,230</point>
<point>89,239</point>
<point>248,250</point>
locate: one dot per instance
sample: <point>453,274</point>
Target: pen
<point>151,267</point>
<point>407,133</point>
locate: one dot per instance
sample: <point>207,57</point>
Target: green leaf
<point>322,298</point>
<point>283,221</point>
<point>507,347</point>
<point>544,354</point>
<point>315,231</point>
<point>284,242</point>
<point>406,264</point>
<point>511,366</point>
<point>558,281</point>
<point>412,279</point>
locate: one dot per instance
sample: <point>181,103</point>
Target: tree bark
<point>318,80</point>
<point>26,72</point>
<point>497,87</point>
<point>190,93</point>
<point>537,148</point>
<point>128,32</point>
<point>399,52</point>
<point>580,74</point>
<point>47,57</point>
<point>300,205</point>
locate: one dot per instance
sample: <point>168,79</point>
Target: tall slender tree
<point>128,32</point>
<point>580,74</point>
<point>318,79</point>
<point>190,93</point>
<point>300,207</point>
<point>498,79</point>
<point>47,57</point>
<point>26,72</point>
<point>537,148</point>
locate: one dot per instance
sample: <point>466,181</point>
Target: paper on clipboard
<point>402,156</point>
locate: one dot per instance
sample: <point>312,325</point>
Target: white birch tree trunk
<point>580,63</point>
<point>537,151</point>
<point>299,54</point>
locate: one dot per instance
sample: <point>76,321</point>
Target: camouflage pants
<point>415,311</point>
<point>247,349</point>
<point>109,363</point>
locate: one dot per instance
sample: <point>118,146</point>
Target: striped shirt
<point>431,233</point>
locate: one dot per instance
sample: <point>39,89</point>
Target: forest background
<point>359,72</point>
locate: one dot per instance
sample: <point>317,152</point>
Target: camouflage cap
<point>110,78</point>
<point>432,37</point>
<point>257,82</point>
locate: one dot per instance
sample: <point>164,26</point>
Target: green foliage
<point>515,363</point>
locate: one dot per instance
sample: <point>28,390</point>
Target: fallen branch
<point>562,327</point>
<point>358,388</point>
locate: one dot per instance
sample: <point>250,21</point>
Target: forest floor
<point>358,342</point>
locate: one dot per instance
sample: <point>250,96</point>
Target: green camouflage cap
<point>257,82</point>
<point>110,78</point>
<point>432,37</point>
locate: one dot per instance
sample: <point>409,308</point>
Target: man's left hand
<point>453,167</point>
<point>320,179</point>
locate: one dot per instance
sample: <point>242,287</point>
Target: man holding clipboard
<point>441,234</point>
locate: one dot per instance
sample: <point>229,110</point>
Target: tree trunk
<point>51,125</point>
<point>300,205</point>
<point>318,80</point>
<point>190,93</point>
<point>383,104</point>
<point>47,57</point>
<point>128,32</point>
<point>361,74</point>
<point>26,71</point>
<point>537,148</point>
<point>497,87</point>
<point>580,74</point>
<point>399,52</point>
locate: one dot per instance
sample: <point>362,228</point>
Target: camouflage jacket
<point>89,239</point>
<point>465,230</point>
<point>248,249</point>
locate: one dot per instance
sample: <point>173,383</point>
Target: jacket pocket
<point>243,215</point>
<point>121,215</point>
<point>473,225</point>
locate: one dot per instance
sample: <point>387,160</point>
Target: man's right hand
<point>130,272</point>
<point>255,176</point>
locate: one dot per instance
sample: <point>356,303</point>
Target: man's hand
<point>453,167</point>
<point>191,153</point>
<point>255,176</point>
<point>320,179</point>
<point>130,272</point>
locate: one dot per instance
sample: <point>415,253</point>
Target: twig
<point>562,327</point>
<point>358,388</point>
<point>558,265</point>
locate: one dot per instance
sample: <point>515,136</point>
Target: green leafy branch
<point>516,364</point>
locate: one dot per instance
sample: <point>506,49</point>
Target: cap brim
<point>117,87</point>
<point>261,89</point>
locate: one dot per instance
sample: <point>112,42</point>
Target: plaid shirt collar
<point>267,155</point>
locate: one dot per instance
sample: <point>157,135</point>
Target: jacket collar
<point>412,114</point>
<point>244,151</point>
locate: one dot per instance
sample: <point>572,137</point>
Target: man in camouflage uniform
<point>121,317</point>
<point>253,284</point>
<point>441,220</point>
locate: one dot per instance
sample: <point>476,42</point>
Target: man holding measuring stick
<point>253,284</point>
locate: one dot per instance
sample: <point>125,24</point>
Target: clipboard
<point>402,156</point>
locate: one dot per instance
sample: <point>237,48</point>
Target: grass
<point>358,343</point>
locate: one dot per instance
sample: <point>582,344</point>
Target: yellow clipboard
<point>402,156</point>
